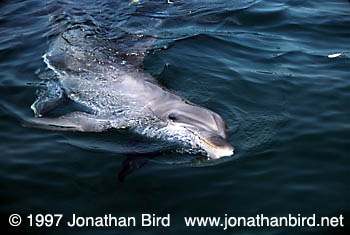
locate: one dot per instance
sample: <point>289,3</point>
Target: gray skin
<point>118,94</point>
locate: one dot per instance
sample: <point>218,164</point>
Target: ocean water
<point>265,66</point>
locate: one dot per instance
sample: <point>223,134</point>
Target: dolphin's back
<point>91,75</point>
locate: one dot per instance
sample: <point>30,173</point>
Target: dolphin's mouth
<point>215,146</point>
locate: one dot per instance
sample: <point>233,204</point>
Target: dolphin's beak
<point>216,151</point>
<point>216,146</point>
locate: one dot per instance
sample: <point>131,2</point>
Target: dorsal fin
<point>82,35</point>
<point>130,48</point>
<point>77,51</point>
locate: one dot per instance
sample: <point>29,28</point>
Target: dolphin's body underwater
<point>118,94</point>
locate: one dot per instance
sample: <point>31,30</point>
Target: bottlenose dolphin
<point>118,94</point>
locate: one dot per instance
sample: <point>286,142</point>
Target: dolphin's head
<point>209,128</point>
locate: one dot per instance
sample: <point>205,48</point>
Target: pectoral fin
<point>76,121</point>
<point>49,98</point>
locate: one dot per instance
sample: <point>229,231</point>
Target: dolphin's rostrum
<point>118,94</point>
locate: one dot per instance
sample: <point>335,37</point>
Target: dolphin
<point>116,93</point>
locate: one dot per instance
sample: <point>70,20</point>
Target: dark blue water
<point>262,65</point>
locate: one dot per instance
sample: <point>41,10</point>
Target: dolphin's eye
<point>172,116</point>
